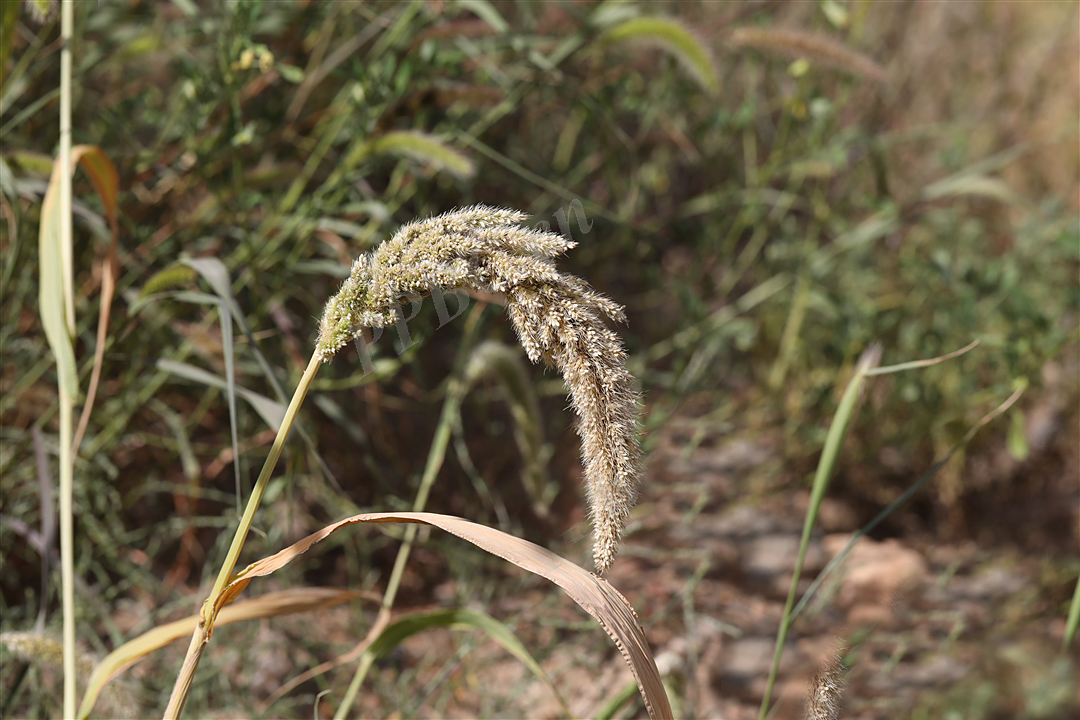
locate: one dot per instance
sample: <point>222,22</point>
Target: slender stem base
<point>205,628</point>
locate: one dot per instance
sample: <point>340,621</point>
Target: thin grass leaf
<point>968,185</point>
<point>274,604</point>
<point>615,702</point>
<point>866,367</point>
<point>1073,621</point>
<point>396,632</point>
<point>915,364</point>
<point>676,39</point>
<point>976,180</point>
<point>595,595</point>
<point>174,276</point>
<point>51,285</point>
<point>271,411</point>
<point>829,453</point>
<point>904,497</point>
<point>175,424</point>
<point>486,12</point>
<point>217,276</point>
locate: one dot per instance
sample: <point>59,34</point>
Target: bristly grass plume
<point>557,318</point>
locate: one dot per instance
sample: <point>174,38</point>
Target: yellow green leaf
<point>674,38</point>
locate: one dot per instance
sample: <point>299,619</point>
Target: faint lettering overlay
<point>458,300</point>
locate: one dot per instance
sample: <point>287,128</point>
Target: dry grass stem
<point>558,318</point>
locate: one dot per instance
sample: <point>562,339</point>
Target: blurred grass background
<point>831,174</point>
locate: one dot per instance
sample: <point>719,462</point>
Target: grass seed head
<point>826,691</point>
<point>558,318</point>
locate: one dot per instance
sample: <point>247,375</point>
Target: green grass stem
<point>844,412</point>
<point>67,393</point>
<point>1074,618</point>
<point>906,495</point>
<point>203,630</point>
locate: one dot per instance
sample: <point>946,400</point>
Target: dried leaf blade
<point>595,595</point>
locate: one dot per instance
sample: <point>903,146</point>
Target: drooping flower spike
<point>558,319</point>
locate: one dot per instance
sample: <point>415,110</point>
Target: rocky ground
<point>923,628</point>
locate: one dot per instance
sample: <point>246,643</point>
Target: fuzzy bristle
<point>558,318</point>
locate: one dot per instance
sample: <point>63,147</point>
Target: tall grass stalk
<point>67,394</point>
<point>205,626</point>
<point>844,412</point>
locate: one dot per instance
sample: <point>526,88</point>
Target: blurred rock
<point>873,573</point>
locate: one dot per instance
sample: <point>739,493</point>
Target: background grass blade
<point>904,497</point>
<point>271,411</point>
<point>273,604</point>
<point>417,146</point>
<point>396,632</point>
<point>867,366</point>
<point>1073,620</point>
<point>844,413</point>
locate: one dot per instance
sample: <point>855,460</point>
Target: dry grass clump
<point>558,318</point>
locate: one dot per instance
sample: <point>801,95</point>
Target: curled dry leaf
<point>595,595</point>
